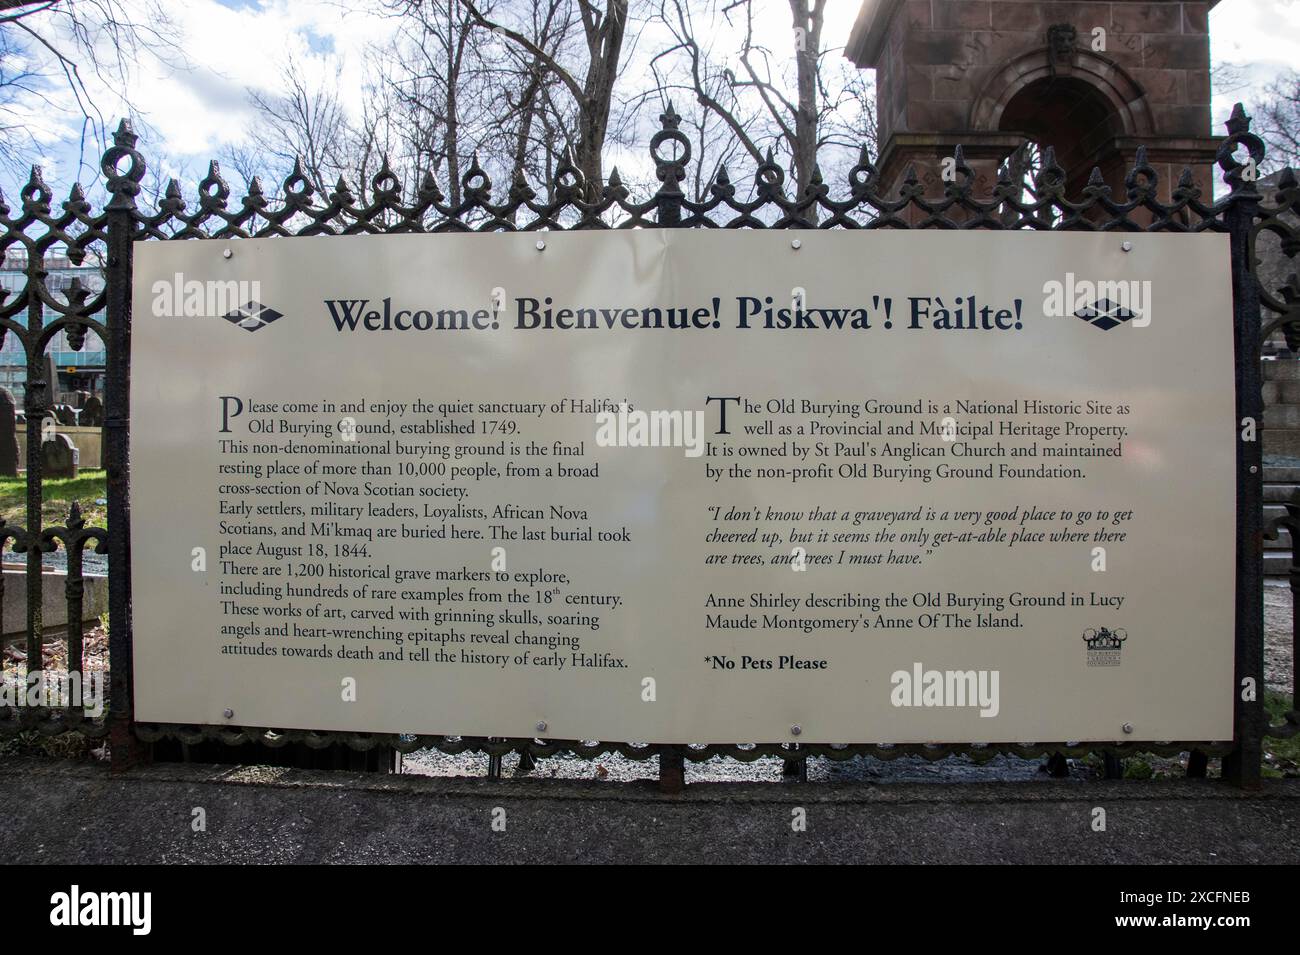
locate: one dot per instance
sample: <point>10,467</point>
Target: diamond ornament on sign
<point>1105,314</point>
<point>252,316</point>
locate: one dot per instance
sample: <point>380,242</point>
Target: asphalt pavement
<point>79,813</point>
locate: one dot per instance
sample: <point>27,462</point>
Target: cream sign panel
<point>687,486</point>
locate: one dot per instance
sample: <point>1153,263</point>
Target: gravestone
<point>8,434</point>
<point>92,412</point>
<point>59,457</point>
<point>51,381</point>
<point>66,415</point>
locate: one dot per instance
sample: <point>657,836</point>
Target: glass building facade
<point>78,370</point>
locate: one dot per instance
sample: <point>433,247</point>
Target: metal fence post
<point>40,397</point>
<point>1243,765</point>
<point>123,185</point>
<point>670,170</point>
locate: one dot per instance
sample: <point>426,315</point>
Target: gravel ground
<point>92,564</point>
<point>615,768</point>
<point>1277,636</point>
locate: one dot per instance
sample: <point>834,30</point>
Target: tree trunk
<point>605,43</point>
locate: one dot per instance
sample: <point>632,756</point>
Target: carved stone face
<point>1060,41</point>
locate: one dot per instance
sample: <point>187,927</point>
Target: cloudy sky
<point>236,45</point>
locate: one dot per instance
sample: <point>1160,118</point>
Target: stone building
<point>1093,80</point>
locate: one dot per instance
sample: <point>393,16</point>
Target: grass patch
<point>1281,756</point>
<point>1135,767</point>
<point>58,494</point>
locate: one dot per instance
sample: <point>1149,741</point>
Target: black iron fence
<point>81,233</point>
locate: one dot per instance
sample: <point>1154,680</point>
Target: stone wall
<point>89,442</point>
<point>54,601</point>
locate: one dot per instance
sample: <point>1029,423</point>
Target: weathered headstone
<point>59,457</point>
<point>51,381</point>
<point>79,398</point>
<point>8,434</point>
<point>92,412</point>
<point>66,415</point>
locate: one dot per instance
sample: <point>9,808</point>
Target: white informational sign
<point>687,486</point>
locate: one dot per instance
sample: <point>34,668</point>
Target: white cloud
<point>234,46</point>
<point>233,50</point>
<point>1260,39</point>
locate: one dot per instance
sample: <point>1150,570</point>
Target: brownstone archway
<point>1081,108</point>
<point>1088,74</point>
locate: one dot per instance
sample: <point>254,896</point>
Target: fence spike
<point>36,194</point>
<point>213,190</point>
<point>297,176</point>
<point>1238,122</point>
<point>125,135</point>
<point>429,187</point>
<point>476,171</point>
<point>343,193</point>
